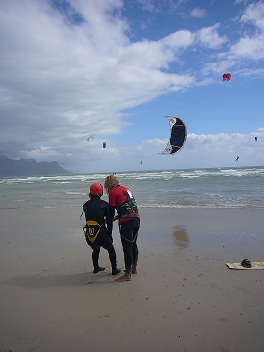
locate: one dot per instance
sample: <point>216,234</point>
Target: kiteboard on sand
<point>238,266</point>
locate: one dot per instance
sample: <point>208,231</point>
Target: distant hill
<point>29,167</point>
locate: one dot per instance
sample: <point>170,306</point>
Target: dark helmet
<point>246,263</point>
<point>96,189</point>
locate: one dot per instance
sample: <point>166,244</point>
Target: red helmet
<point>96,189</point>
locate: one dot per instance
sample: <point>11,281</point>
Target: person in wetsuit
<point>98,228</point>
<point>122,200</point>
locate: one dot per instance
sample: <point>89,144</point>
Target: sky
<point>114,69</point>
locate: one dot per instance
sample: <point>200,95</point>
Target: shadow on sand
<point>47,281</point>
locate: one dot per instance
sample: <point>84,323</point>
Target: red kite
<point>226,76</point>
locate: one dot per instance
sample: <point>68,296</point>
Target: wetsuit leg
<point>95,256</point>
<point>134,245</point>
<point>129,233</point>
<point>134,253</point>
<point>107,244</point>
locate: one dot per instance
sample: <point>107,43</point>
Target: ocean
<point>241,187</point>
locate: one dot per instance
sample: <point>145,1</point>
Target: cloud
<point>167,6</point>
<point>71,70</point>
<point>198,12</point>
<point>255,14</point>
<point>206,150</point>
<point>251,46</point>
<point>236,54</point>
<point>210,38</point>
<point>60,79</point>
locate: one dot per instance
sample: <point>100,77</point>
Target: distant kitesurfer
<point>256,139</point>
<point>237,158</point>
<point>122,200</point>
<point>98,228</point>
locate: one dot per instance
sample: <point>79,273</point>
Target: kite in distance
<point>177,137</point>
<point>104,144</point>
<point>226,76</point>
<point>237,158</point>
<point>256,139</point>
<point>88,139</point>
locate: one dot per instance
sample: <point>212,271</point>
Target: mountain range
<point>29,167</point>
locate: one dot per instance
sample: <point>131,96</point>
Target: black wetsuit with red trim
<point>122,200</point>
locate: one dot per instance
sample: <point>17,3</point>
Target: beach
<point>184,297</point>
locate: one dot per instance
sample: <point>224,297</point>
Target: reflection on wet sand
<point>181,236</point>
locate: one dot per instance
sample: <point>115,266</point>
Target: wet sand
<point>184,298</point>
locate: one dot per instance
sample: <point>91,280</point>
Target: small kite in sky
<point>177,136</point>
<point>256,139</point>
<point>88,139</point>
<point>104,144</point>
<point>226,76</point>
<point>237,158</point>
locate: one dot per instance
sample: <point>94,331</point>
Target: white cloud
<point>63,81</point>
<point>251,46</point>
<point>205,151</point>
<point>255,14</point>
<point>210,38</point>
<point>178,40</point>
<point>198,12</point>
<point>168,6</point>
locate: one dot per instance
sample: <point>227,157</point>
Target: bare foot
<point>125,277</point>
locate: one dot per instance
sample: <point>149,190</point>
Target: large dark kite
<point>177,137</point>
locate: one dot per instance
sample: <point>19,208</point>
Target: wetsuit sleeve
<point>85,209</point>
<point>112,199</point>
<point>112,212</point>
<point>112,204</point>
<point>109,220</point>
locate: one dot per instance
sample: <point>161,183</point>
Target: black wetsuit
<point>97,214</point>
<point>122,200</point>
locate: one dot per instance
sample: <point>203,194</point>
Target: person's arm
<point>112,212</point>
<point>109,220</point>
<point>112,205</point>
<point>84,210</point>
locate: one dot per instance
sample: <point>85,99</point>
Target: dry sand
<point>183,298</point>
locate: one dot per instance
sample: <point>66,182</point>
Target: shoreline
<point>183,298</point>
